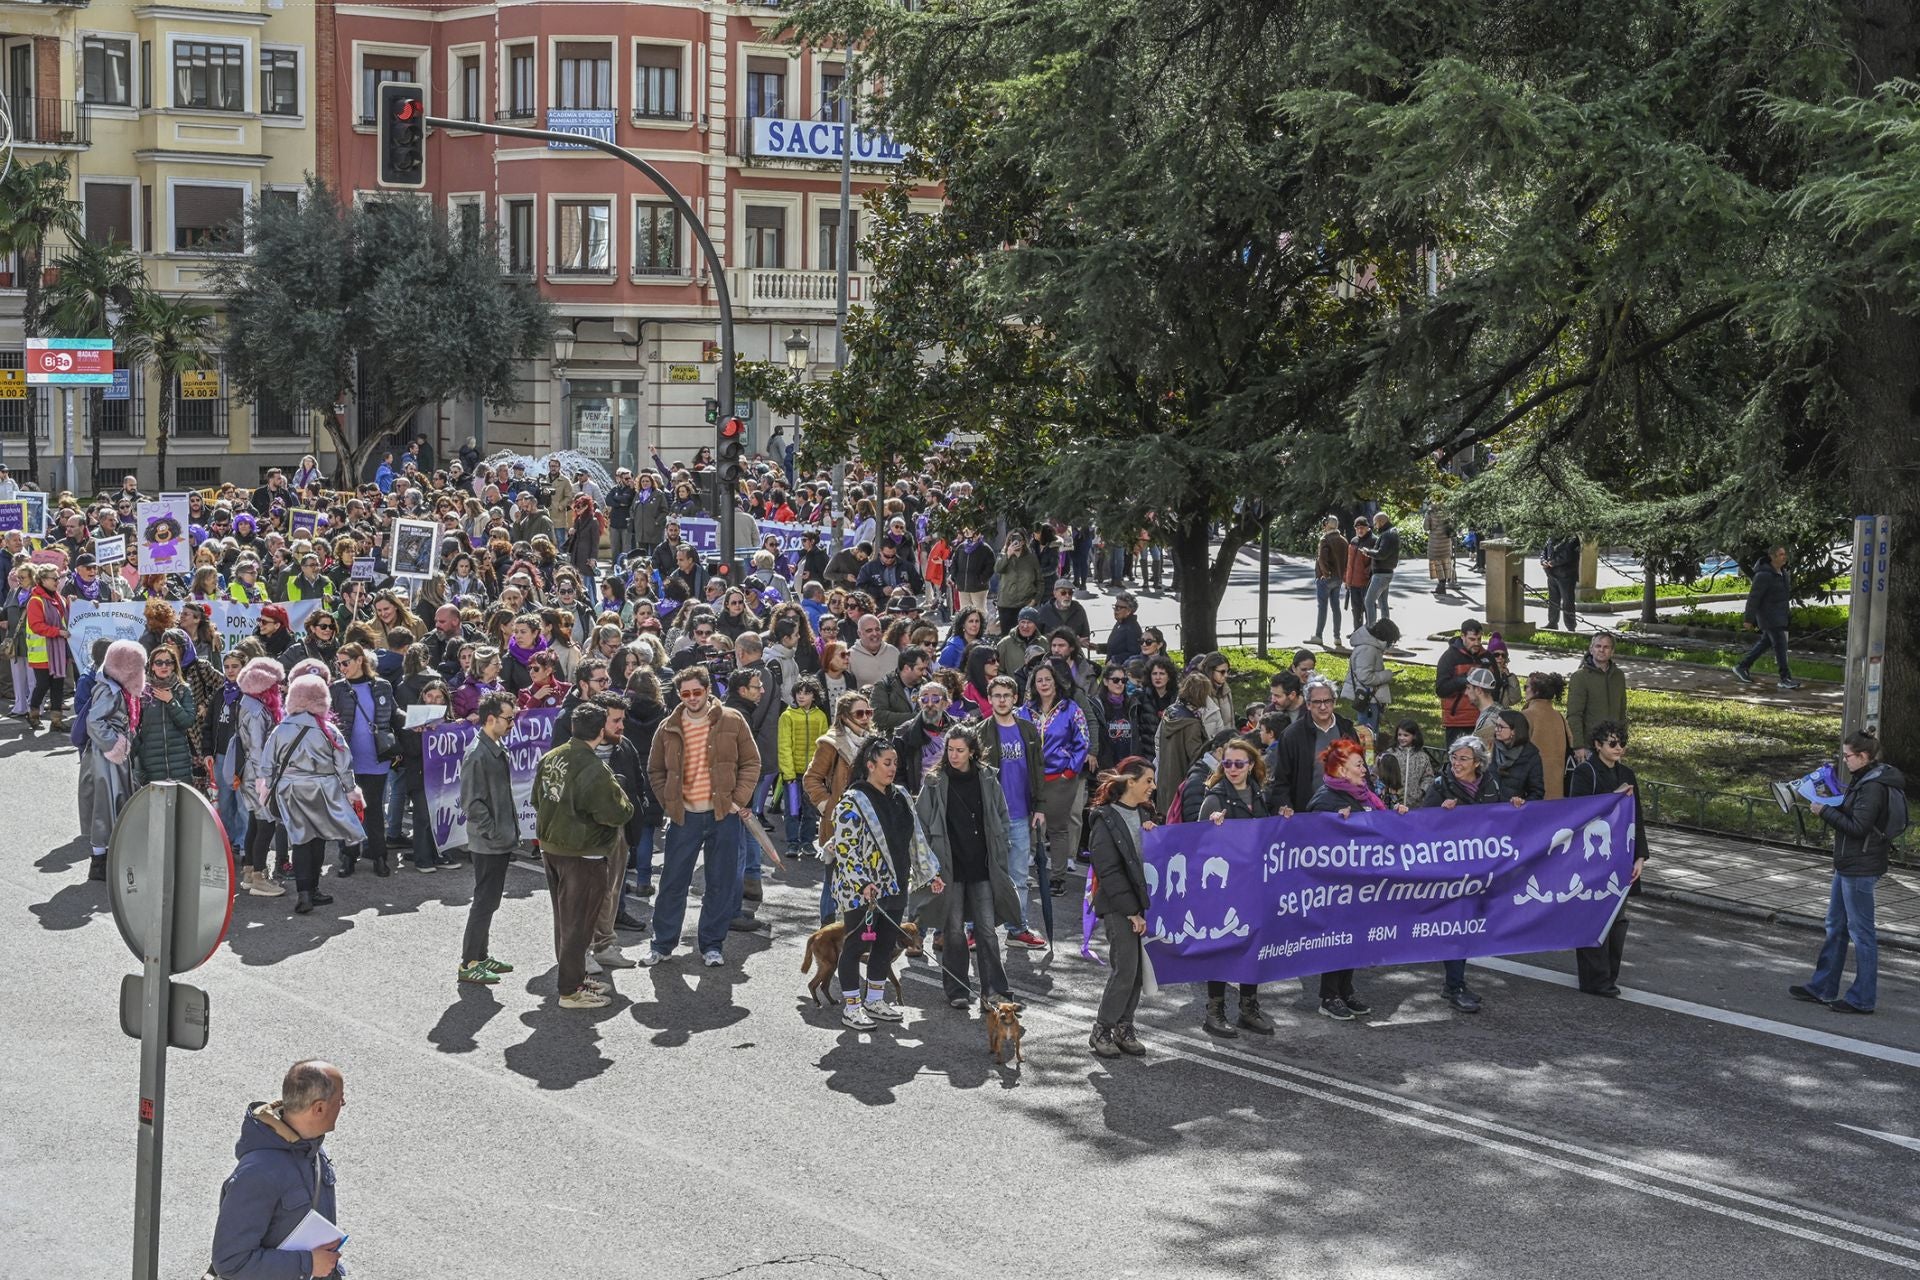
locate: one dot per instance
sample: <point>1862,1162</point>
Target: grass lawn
<point>1722,585</point>
<point>1809,669</point>
<point>1714,744</point>
<point>1800,619</point>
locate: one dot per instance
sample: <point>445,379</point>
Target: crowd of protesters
<point>929,711</point>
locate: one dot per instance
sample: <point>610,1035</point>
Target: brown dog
<point>1003,1026</point>
<point>823,957</point>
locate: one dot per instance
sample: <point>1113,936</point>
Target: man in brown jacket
<point>703,767</point>
<point>1329,576</point>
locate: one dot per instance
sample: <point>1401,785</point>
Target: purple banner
<point>1273,898</point>
<point>445,751</point>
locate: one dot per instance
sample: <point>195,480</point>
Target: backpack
<point>1893,823</point>
<point>82,696</point>
<point>1177,807</point>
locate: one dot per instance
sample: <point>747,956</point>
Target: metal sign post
<point>1867,624</point>
<point>170,877</point>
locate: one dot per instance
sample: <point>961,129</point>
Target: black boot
<point>380,867</point>
<point>345,866</point>
<point>319,899</point>
<point>1252,1019</point>
<point>1216,1023</point>
<point>98,868</point>
<point>303,904</point>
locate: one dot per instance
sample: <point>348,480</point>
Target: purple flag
<point>1266,899</point>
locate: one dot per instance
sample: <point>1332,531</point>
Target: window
<point>656,240</point>
<point>766,87</point>
<point>146,75</point>
<point>200,415</point>
<point>469,86</point>
<point>520,237</point>
<point>279,82</point>
<point>109,212</point>
<point>583,237</point>
<point>211,77</point>
<point>520,84</point>
<point>207,219</point>
<point>829,256</point>
<point>13,413</point>
<point>832,81</point>
<point>656,82</point>
<point>124,417</point>
<point>378,69</point>
<point>146,215</point>
<point>766,236</point>
<point>585,77</point>
<point>106,67</point>
<point>199,477</point>
<point>463,219</point>
<point>280,199</point>
<point>271,418</point>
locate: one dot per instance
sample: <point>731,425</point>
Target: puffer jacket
<point>1770,597</point>
<point>1860,845</point>
<point>279,1178</point>
<point>1367,674</point>
<point>163,744</point>
<point>733,762</point>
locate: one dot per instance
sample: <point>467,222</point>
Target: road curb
<point>1899,939</point>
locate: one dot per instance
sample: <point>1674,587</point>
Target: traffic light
<point>402,119</point>
<point>733,448</point>
<point>713,412</point>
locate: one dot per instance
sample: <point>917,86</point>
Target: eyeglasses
<point>1319,702</point>
<point>1613,742</point>
<point>864,713</point>
<point>1116,680</point>
<point>1236,765</point>
<point>702,634</point>
<point>162,662</point>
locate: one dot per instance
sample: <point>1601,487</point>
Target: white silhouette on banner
<point>1211,867</point>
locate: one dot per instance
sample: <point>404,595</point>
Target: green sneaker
<point>496,966</point>
<point>479,973</point>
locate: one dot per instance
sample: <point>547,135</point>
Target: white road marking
<point>1383,1105</point>
<point>1748,1021</point>
<point>1897,1139</point>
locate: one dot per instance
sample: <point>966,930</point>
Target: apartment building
<point>742,125</point>
<point>173,117</point>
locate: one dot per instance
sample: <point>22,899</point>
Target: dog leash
<point>866,936</point>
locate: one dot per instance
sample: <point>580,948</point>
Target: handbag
<point>279,768</point>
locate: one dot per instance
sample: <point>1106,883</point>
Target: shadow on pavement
<point>459,1027</point>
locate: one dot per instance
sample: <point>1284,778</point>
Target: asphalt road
<point>713,1123</point>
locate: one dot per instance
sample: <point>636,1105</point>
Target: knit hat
<point>279,614</point>
<point>309,693</point>
<point>1029,614</point>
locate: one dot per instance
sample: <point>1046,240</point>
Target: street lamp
<point>797,352</point>
<point>562,346</point>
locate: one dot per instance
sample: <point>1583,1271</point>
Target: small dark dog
<point>823,957</point>
<point>1003,1028</point>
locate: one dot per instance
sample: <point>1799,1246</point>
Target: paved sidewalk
<point>1770,882</point>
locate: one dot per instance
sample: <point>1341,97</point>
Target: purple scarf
<point>89,591</point>
<point>1357,791</point>
<point>522,656</point>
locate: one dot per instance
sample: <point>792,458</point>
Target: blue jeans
<point>1377,604</point>
<point>1369,715</point>
<point>749,847</point>
<point>233,813</point>
<point>1019,864</point>
<point>1849,915</point>
<point>396,805</point>
<point>1769,639</point>
<point>721,903</point>
<point>1456,973</point>
<point>641,864</point>
<point>1326,592</point>
<point>803,828</point>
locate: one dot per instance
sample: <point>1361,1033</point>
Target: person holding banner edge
<point>1118,820</point>
<point>1235,791</point>
<point>1605,770</point>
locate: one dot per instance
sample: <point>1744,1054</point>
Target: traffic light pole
<point>714,267</point>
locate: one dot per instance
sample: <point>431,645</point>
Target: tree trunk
<point>1202,578</point>
<point>1877,359</point>
<point>1649,593</point>
<point>30,266</point>
<point>166,425</point>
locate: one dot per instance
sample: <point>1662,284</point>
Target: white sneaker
<point>584,998</point>
<point>593,965</point>
<point>613,958</point>
<point>856,1016</point>
<point>885,1012</point>
<point>713,959</point>
<point>651,958</point>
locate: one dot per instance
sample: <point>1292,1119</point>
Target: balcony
<point>784,291</point>
<point>53,124</point>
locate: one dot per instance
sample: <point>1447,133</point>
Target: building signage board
<point>821,140</point>
<point>588,124</point>
<point>69,362</point>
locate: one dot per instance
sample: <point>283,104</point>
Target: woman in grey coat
<point>106,765</point>
<point>255,715</point>
<point>312,793</point>
<point>964,812</point>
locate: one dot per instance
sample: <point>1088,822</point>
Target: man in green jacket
<point>580,810</point>
<point>1596,693</point>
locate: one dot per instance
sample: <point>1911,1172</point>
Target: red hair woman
<point>1344,788</point>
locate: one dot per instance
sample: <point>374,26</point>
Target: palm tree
<point>174,335</point>
<point>92,299</point>
<point>34,206</point>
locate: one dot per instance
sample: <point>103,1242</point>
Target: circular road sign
<point>202,872</point>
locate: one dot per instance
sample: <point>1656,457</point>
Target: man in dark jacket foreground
<point>1864,823</point>
<point>282,1175</point>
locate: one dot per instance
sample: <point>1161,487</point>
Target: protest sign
<point>1264,900</point>
<point>36,513</point>
<point>164,547</point>
<point>446,747</point>
<point>301,521</point>
<point>88,622</point>
<point>13,517</point>
<point>108,551</point>
<point>415,549</point>
<point>365,569</point>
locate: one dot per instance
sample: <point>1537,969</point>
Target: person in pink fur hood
<point>312,792</point>
<point>111,715</point>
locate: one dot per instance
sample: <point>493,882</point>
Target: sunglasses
<point>1236,764</point>
<point>702,635</point>
<point>162,662</point>
<point>864,713</point>
<point>1116,680</point>
<point>323,626</point>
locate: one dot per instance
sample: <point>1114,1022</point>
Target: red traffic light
<point>732,428</point>
<point>410,109</point>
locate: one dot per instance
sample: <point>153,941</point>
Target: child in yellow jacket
<point>801,726</point>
